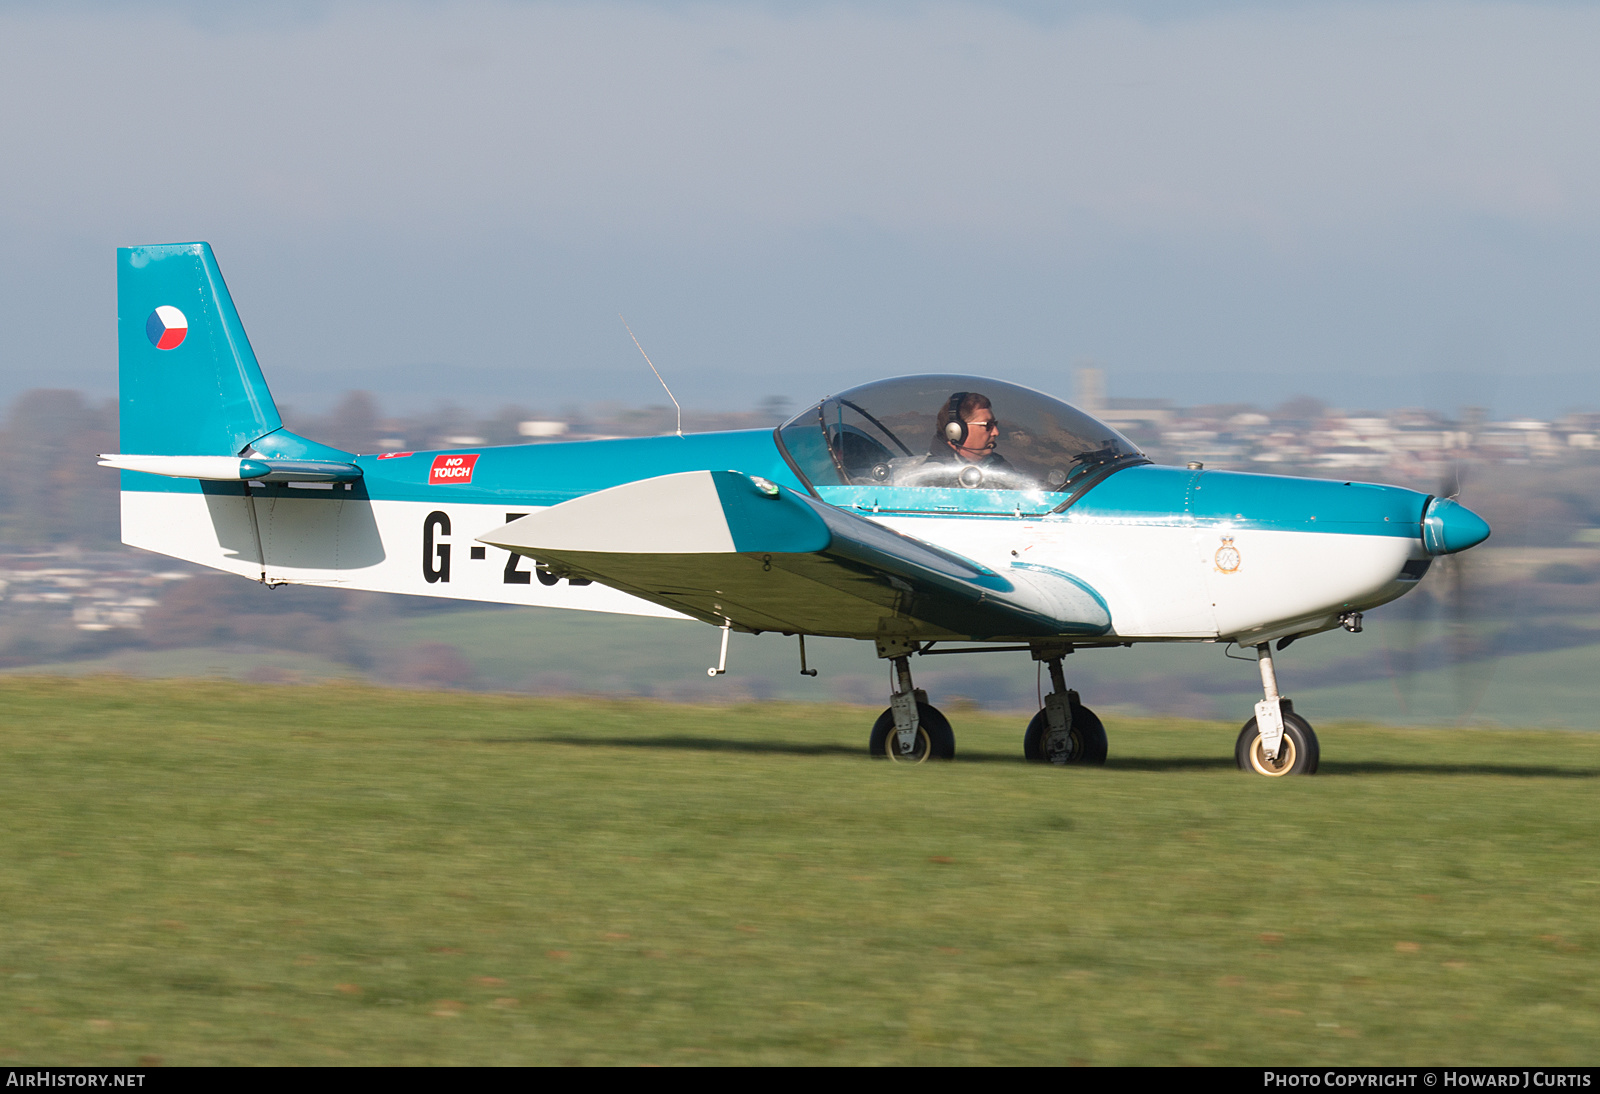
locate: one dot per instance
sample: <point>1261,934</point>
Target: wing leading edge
<point>721,545</point>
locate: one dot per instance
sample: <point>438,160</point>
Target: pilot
<point>965,437</point>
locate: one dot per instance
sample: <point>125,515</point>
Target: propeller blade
<point>1443,629</point>
<point>1450,483</point>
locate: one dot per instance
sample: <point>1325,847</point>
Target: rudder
<point>189,381</point>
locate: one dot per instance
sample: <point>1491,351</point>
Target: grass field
<point>211,872</point>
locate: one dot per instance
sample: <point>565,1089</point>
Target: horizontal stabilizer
<point>235,468</point>
<point>724,546</point>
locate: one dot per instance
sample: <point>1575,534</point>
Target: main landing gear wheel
<point>1083,743</point>
<point>1297,754</point>
<point>935,739</point>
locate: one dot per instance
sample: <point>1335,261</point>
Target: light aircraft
<point>912,513</point>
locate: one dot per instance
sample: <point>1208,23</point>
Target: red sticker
<point>393,455</point>
<point>452,470</point>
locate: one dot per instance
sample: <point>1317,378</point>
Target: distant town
<point>61,568</point>
<point>1306,435</point>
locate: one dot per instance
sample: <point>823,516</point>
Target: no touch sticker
<point>452,470</point>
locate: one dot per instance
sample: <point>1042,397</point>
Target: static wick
<point>653,368</point>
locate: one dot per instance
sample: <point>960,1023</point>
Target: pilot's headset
<point>955,430</point>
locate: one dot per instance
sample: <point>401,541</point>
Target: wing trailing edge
<point>725,546</point>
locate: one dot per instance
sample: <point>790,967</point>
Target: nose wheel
<point>1297,753</point>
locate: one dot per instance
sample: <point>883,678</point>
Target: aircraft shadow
<point>723,744</point>
<point>686,744</point>
<point>1126,763</point>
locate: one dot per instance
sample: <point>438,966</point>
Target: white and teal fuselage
<point>1147,538</point>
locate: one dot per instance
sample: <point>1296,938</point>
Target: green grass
<point>210,872</point>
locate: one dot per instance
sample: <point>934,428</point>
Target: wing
<point>721,545</point>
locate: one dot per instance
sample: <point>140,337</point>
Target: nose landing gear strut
<point>1277,741</point>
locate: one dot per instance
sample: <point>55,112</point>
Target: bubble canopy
<point>888,446</point>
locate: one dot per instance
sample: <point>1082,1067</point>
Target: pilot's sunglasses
<point>983,425</point>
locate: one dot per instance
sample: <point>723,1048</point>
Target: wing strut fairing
<point>725,546</point>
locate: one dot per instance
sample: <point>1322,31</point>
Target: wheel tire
<point>1086,740</point>
<point>1297,755</point>
<point>935,739</point>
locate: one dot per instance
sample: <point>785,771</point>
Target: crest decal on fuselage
<point>1227,557</point>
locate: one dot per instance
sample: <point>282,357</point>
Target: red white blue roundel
<point>167,327</point>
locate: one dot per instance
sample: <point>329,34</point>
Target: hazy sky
<point>1380,204</point>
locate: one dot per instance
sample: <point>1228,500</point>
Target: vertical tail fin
<point>190,384</point>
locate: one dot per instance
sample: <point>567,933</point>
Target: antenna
<point>652,365</point>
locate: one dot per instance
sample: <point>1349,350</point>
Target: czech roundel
<point>166,327</point>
